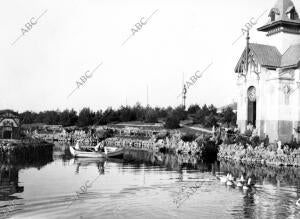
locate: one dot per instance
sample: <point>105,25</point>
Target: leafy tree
<point>151,116</point>
<point>193,109</point>
<point>210,120</point>
<point>212,110</point>
<point>86,117</point>
<point>68,118</point>
<point>126,114</point>
<point>161,112</point>
<point>180,113</point>
<point>172,122</point>
<point>28,117</point>
<point>205,115</point>
<point>174,117</point>
<point>139,112</point>
<point>228,116</point>
<point>109,116</point>
<point>201,114</point>
<point>98,117</point>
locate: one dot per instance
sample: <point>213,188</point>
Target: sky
<point>74,37</point>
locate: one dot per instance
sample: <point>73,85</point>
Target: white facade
<point>269,78</point>
<point>282,41</point>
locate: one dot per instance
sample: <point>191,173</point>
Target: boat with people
<point>97,151</point>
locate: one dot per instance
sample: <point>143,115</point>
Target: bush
<point>193,109</point>
<point>209,151</point>
<point>228,116</point>
<point>255,141</point>
<point>151,116</point>
<point>188,138</point>
<point>294,144</point>
<point>243,140</point>
<point>172,122</point>
<point>104,134</point>
<point>162,135</point>
<point>248,133</point>
<point>210,121</point>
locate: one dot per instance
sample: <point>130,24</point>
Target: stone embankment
<point>271,155</point>
<point>24,150</point>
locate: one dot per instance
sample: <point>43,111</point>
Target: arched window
<point>251,93</point>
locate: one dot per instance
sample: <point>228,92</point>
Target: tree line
<point>205,115</point>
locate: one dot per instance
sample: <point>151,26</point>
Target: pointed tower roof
<point>283,17</point>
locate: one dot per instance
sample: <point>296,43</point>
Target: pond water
<point>89,188</point>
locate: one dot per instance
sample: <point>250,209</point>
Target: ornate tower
<point>283,27</point>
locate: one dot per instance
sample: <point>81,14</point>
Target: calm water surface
<point>123,189</point>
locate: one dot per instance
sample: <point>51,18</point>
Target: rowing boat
<point>108,152</point>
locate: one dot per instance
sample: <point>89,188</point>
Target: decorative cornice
<point>284,30</point>
<point>280,24</point>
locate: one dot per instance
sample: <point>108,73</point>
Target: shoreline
<point>262,173</point>
<point>25,150</point>
<point>264,156</point>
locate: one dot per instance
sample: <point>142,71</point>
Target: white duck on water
<point>298,203</point>
<point>230,180</point>
<point>224,179</point>
<point>248,186</point>
<point>240,182</point>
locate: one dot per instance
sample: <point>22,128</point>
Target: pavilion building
<point>269,77</point>
<point>9,125</point>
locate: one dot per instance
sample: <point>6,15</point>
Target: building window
<point>272,15</point>
<point>252,94</point>
<point>293,15</point>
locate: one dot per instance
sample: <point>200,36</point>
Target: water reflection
<point>9,176</point>
<point>277,190</point>
<point>274,196</point>
<point>84,162</point>
<point>9,182</point>
<point>62,152</point>
<point>144,185</point>
<point>10,187</point>
<point>172,162</point>
<point>264,174</point>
